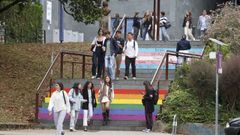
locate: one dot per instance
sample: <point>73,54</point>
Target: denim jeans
<point>163,34</point>
<point>109,65</point>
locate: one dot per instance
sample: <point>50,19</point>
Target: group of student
<point>107,54</point>
<point>84,98</point>
<point>79,98</point>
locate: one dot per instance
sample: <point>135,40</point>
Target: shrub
<point>201,80</point>
<point>230,83</point>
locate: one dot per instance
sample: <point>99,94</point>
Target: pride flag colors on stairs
<point>127,111</point>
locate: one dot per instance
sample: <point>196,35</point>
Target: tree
<point>5,5</point>
<point>87,11</point>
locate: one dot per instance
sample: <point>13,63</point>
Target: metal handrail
<point>48,72</point>
<point>61,53</point>
<point>158,72</point>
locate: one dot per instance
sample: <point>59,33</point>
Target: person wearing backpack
<point>131,52</point>
<point>59,104</point>
<point>76,100</point>
<point>164,25</point>
<point>148,101</point>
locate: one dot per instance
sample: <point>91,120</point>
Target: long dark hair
<point>85,87</point>
<point>60,85</point>
<point>108,83</point>
<point>75,87</point>
<point>147,85</point>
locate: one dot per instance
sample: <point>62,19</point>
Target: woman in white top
<point>59,103</point>
<point>106,94</point>
<point>76,100</point>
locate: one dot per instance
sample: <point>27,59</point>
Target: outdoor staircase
<point>127,111</point>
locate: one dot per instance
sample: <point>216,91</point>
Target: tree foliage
<point>87,11</point>
<point>225,27</point>
<point>22,24</point>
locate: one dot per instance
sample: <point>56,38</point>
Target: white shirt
<point>57,102</point>
<point>89,96</point>
<point>203,22</point>
<point>129,49</point>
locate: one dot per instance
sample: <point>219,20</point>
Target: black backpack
<point>133,44</point>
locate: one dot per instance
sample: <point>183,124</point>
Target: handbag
<point>167,25</point>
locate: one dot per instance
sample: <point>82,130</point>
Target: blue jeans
<point>145,31</point>
<point>109,65</point>
<point>163,34</point>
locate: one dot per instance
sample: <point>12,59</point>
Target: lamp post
<point>218,71</point>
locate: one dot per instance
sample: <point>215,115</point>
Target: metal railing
<point>165,60</point>
<point>41,90</point>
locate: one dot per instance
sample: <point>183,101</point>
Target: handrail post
<point>83,67</point>
<point>167,62</point>
<point>72,70</point>
<point>61,66</point>
<point>36,107</point>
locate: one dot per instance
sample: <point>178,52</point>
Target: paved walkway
<point>51,132</point>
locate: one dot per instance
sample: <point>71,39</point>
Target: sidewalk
<point>52,132</point>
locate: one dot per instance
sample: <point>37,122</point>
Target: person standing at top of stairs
<point>106,94</point>
<point>131,52</point>
<point>59,102</point>
<point>98,54</point>
<point>120,43</point>
<point>110,49</point>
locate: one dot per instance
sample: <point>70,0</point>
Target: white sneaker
<point>144,130</point>
<point>93,77</point>
<point>117,78</point>
<point>134,78</point>
<point>72,130</point>
<point>125,77</point>
<point>148,130</point>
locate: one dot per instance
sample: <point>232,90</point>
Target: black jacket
<point>113,45</point>
<point>85,96</point>
<point>148,101</point>
<point>183,44</point>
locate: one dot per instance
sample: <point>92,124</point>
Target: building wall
<point>175,10</point>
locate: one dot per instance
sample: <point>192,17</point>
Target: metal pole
<point>61,66</point>
<point>217,81</point>
<point>61,27</point>
<point>154,19</point>
<point>158,18</point>
<point>166,75</point>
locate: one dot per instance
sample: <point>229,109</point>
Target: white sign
<point>49,12</point>
<point>212,55</point>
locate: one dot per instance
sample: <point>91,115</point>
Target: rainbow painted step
<point>127,105</point>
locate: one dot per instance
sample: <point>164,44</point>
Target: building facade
<point>78,32</point>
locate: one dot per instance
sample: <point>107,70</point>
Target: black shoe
<point>62,133</point>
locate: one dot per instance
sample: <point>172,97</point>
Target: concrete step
<point>169,44</point>
<point>120,84</point>
<point>97,125</point>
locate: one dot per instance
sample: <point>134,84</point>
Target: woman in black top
<point>88,94</point>
<point>136,25</point>
<point>148,102</point>
<point>98,54</point>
